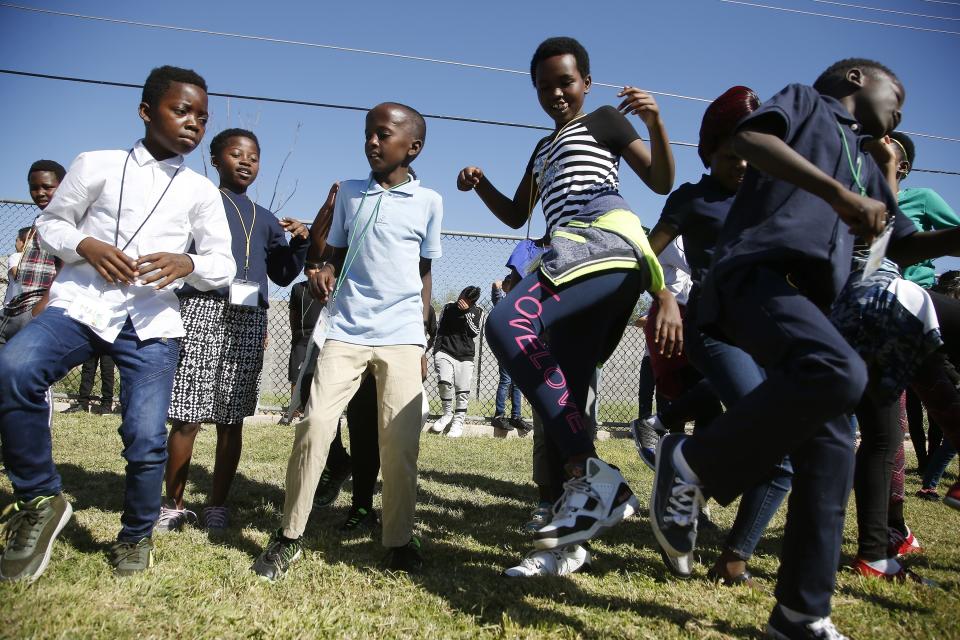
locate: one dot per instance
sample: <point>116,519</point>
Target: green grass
<point>474,493</point>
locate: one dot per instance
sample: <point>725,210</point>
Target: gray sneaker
<point>277,557</point>
<point>128,558</point>
<point>29,532</point>
<point>173,519</point>
<point>216,520</point>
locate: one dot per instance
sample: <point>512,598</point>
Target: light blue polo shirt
<point>380,300</point>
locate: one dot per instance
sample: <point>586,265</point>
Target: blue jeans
<point>937,464</point>
<point>503,387</point>
<point>44,352</point>
<point>733,375</point>
<point>814,381</point>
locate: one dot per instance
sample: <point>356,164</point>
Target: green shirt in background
<point>930,213</point>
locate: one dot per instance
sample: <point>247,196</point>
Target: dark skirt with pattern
<point>221,358</point>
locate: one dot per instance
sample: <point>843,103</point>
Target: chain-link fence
<point>468,259</point>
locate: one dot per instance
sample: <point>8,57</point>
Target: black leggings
<point>586,319</point>
<point>880,438</point>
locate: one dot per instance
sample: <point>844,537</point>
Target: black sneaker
<point>128,558</point>
<point>520,425</point>
<point>408,558</point>
<point>277,557</point>
<point>29,532</point>
<point>78,408</point>
<point>360,519</point>
<point>782,629</point>
<point>500,422</point>
<point>329,488</point>
<point>674,504</point>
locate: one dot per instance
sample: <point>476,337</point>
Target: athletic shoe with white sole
<point>440,424</point>
<point>277,557</point>
<point>29,532</point>
<point>456,427</point>
<point>591,503</point>
<point>646,434</point>
<point>674,504</point>
<point>551,562</point>
<point>780,628</point>
<point>173,519</point>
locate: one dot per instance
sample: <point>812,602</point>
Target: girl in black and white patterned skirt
<point>221,356</point>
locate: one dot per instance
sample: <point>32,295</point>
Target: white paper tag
<point>322,327</point>
<point>89,311</point>
<point>245,293</point>
<point>878,251</point>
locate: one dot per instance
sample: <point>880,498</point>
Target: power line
<point>316,45</point>
<point>902,13</point>
<point>241,36</point>
<point>956,4</point>
<point>327,105</point>
<point>828,15</point>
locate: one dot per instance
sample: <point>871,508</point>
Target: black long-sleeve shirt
<point>457,331</point>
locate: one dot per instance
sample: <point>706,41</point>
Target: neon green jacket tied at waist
<point>614,240</point>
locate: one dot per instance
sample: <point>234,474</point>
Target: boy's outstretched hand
<point>469,178</point>
<point>295,228</point>
<point>322,283</point>
<point>639,103</point>
<point>669,330</point>
<point>163,268</point>
<point>111,263</point>
<point>865,216</point>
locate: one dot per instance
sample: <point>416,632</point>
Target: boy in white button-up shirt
<point>121,222</point>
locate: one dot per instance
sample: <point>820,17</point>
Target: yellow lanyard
<point>246,232</point>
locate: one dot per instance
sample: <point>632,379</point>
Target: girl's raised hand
<point>469,178</point>
<point>639,103</point>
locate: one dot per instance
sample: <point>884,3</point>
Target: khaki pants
<point>340,369</point>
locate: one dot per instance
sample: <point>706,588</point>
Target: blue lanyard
<point>355,244</point>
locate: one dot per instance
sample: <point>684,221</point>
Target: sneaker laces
<point>216,517</point>
<point>279,552</point>
<point>825,628</point>
<point>570,488</point>
<point>537,558</point>
<point>125,551</point>
<point>20,522</point>
<point>683,505</point>
<point>173,515</point>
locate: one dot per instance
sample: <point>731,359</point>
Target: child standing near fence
<point>37,267</point>
<point>453,353</point>
<point>221,356</point>
<point>122,222</point>
<point>385,234</point>
<point>586,287</point>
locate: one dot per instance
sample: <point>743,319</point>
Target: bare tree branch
<point>276,185</point>
<point>287,199</point>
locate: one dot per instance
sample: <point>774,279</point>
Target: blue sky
<point>691,47</point>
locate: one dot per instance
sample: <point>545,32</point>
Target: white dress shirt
<point>676,271</point>
<point>85,205</point>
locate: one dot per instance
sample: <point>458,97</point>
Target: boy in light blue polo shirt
<point>385,233</point>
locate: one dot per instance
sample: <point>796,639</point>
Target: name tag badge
<point>245,293</point>
<point>90,311</point>
<point>322,327</point>
<point>878,251</point>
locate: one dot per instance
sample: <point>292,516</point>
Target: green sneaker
<point>406,559</point>
<point>277,557</point>
<point>29,532</point>
<point>329,486</point>
<point>128,558</point>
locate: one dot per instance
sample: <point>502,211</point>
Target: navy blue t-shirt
<point>697,211</point>
<point>270,254</point>
<point>776,223</point>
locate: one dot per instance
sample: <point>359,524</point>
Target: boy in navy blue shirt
<point>782,257</point>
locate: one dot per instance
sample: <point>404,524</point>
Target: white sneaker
<point>552,562</point>
<point>456,428</point>
<point>589,506</point>
<point>441,423</point>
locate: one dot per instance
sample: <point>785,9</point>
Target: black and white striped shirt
<point>580,163</point>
